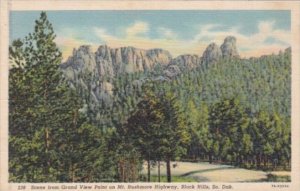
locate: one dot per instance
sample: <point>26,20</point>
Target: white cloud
<point>248,45</point>
<point>168,40</point>
<point>138,28</point>
<point>137,35</point>
<point>166,33</point>
<point>266,26</point>
<point>256,43</point>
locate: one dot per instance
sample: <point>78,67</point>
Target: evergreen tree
<point>35,69</point>
<point>174,132</point>
<point>49,138</point>
<point>143,128</point>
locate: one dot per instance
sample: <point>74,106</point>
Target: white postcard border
<point>18,5</point>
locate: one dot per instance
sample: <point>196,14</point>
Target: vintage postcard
<point>150,95</point>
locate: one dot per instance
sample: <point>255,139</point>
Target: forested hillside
<point>99,116</point>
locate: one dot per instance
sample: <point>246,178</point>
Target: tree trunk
<point>158,166</point>
<point>46,130</point>
<point>148,165</point>
<point>258,160</point>
<point>47,144</point>
<point>122,170</point>
<point>73,173</point>
<point>210,158</point>
<point>168,170</point>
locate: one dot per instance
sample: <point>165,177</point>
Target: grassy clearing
<point>274,178</point>
<point>205,172</point>
<point>278,178</point>
<point>163,178</point>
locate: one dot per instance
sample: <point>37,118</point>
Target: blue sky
<point>180,31</point>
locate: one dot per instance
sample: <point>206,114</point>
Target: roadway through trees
<point>205,172</point>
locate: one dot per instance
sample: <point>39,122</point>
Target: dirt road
<point>205,172</point>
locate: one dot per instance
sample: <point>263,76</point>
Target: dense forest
<point>233,111</point>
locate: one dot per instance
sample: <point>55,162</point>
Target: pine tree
<point>174,132</point>
<point>142,127</point>
<point>37,59</point>
<point>48,135</point>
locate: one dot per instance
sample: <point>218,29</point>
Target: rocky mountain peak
<point>212,54</point>
<point>86,68</point>
<point>96,70</point>
<point>103,52</point>
<point>83,59</point>
<point>160,56</point>
<point>84,48</point>
<point>288,50</point>
<point>228,48</point>
<point>186,61</point>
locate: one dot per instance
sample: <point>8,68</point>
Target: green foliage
<point>50,140</point>
<point>157,128</point>
<point>235,111</point>
<point>276,178</point>
<point>174,133</point>
<point>174,179</point>
<point>34,112</point>
<point>238,110</point>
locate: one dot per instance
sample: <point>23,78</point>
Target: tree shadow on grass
<point>205,170</point>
